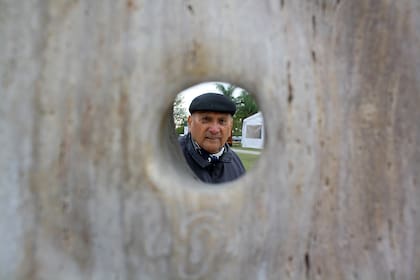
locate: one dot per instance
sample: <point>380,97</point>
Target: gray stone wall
<point>92,184</point>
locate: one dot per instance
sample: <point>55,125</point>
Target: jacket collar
<point>193,150</point>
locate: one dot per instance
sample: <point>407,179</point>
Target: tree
<point>246,105</point>
<point>180,114</point>
<point>226,90</point>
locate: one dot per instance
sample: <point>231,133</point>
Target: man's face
<point>210,129</point>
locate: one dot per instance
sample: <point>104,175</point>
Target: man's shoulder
<point>230,154</point>
<point>229,150</point>
<point>182,140</point>
<point>236,160</point>
<point>182,137</point>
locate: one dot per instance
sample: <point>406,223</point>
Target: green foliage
<point>179,130</point>
<point>246,105</point>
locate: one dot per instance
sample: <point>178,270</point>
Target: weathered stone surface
<point>91,185</point>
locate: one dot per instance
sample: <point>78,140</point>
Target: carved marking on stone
<point>203,237</point>
<point>157,240</point>
<point>148,226</point>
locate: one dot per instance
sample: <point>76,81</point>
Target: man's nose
<point>214,128</point>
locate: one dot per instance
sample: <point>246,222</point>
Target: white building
<point>253,131</point>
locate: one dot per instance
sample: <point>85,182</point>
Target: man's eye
<point>222,122</point>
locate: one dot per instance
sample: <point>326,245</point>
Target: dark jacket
<point>227,168</point>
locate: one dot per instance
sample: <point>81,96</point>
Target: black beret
<point>213,102</point>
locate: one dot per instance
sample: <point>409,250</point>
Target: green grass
<point>248,160</point>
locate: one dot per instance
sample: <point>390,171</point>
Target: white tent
<point>253,131</point>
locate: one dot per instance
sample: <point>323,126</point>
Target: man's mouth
<point>213,138</point>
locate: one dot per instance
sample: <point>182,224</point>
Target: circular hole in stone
<point>217,146</point>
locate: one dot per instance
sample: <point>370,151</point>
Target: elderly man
<point>204,147</point>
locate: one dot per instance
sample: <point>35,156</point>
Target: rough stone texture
<point>90,182</point>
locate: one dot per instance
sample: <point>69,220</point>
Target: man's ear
<point>189,121</point>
